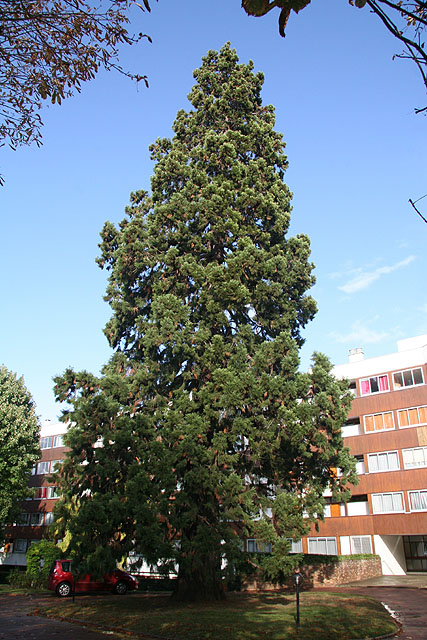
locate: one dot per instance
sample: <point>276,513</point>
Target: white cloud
<point>365,278</point>
<point>360,334</point>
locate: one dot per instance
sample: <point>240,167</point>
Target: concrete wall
<point>392,554</point>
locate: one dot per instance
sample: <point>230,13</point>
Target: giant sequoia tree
<point>201,428</point>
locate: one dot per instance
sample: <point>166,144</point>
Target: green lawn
<point>324,616</point>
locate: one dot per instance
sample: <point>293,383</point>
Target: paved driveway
<point>409,604</point>
<point>16,625</point>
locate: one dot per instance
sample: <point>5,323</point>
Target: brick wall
<point>331,573</point>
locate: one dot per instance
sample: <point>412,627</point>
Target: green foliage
<point>19,444</point>
<point>201,428</point>
<point>315,559</point>
<point>48,48</point>
<point>39,560</point>
<point>18,579</point>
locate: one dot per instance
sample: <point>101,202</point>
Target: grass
<point>7,589</point>
<point>242,616</point>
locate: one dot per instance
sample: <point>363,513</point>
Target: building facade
<point>386,431</point>
<point>37,511</point>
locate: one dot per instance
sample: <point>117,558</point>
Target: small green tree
<point>39,560</point>
<point>201,428</point>
<point>19,444</point>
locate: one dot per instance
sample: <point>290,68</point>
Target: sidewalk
<point>411,581</point>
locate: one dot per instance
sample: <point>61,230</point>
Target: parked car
<point>61,581</point>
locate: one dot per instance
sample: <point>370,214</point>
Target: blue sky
<point>356,152</point>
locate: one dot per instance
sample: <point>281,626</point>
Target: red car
<point>61,581</point>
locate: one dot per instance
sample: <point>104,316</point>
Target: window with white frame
<point>48,519</point>
<point>258,546</point>
<point>296,547</point>
<point>40,493</point>
<point>58,441</point>
<point>46,442</point>
<point>360,544</point>
<point>387,502</point>
<point>42,468</point>
<point>383,461</point>
<point>408,378</point>
<point>19,545</point>
<point>23,520</point>
<point>55,464</point>
<point>378,422</point>
<point>412,417</point>
<point>322,546</point>
<point>36,519</point>
<point>418,500</point>
<point>52,493</point>
<point>414,458</point>
<point>375,384</point>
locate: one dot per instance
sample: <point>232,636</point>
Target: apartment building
<point>37,511</point>
<point>386,431</point>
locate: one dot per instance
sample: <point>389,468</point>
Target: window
<point>387,503</point>
<point>36,519</point>
<point>42,467</point>
<point>378,422</point>
<point>360,544</point>
<point>46,442</point>
<point>414,458</point>
<point>376,384</point>
<point>52,493</point>
<point>58,441</point>
<point>20,546</point>
<point>257,546</point>
<point>352,387</point>
<point>408,378</point>
<point>385,461</point>
<point>323,546</point>
<point>41,492</point>
<point>55,464</point>
<point>418,500</point>
<point>48,519</point>
<point>23,520</point>
<point>412,417</point>
<point>296,547</point>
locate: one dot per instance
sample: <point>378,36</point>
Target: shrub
<point>18,578</point>
<point>39,560</point>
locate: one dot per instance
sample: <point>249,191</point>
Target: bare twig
<point>419,212</point>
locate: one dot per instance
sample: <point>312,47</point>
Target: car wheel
<point>63,589</point>
<point>120,588</point>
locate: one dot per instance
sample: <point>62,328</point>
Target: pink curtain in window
<point>364,387</point>
<point>383,383</point>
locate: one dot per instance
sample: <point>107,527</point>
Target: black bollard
<point>297,580</point>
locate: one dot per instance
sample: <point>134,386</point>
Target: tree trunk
<point>199,579</point>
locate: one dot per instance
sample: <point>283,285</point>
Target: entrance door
<point>415,552</point>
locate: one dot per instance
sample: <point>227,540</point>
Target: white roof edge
<point>411,352</point>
